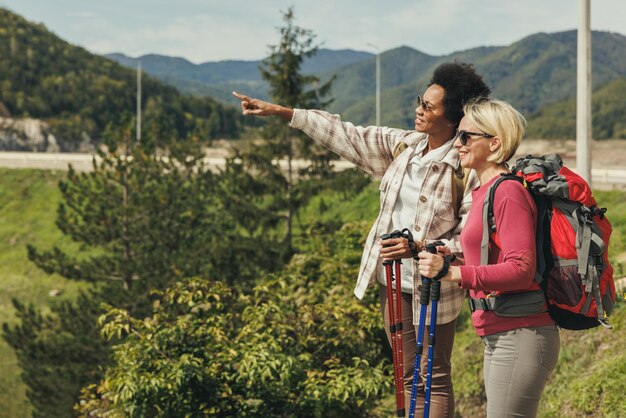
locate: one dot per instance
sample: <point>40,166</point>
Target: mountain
<point>558,120</point>
<point>533,72</point>
<point>219,79</point>
<point>83,97</point>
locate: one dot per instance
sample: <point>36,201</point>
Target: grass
<point>28,202</point>
<point>338,207</point>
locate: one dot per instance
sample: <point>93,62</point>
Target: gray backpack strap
<point>508,304</point>
<point>582,248</point>
<point>512,305</point>
<point>484,243</point>
<point>594,293</point>
<point>489,222</point>
<point>574,212</point>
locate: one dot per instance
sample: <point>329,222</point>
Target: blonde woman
<point>521,351</point>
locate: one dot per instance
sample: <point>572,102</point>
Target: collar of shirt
<point>439,154</point>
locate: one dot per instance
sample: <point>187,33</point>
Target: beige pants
<point>517,365</point>
<point>442,393</point>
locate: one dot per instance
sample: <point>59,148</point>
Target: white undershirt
<point>405,209</point>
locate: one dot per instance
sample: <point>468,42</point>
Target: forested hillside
<point>531,73</point>
<point>83,96</point>
<point>608,108</point>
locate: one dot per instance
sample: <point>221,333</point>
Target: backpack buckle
<point>478,304</point>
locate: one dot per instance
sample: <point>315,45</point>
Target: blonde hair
<point>498,118</point>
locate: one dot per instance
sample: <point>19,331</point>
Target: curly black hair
<point>461,84</point>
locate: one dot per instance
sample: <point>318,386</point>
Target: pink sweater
<point>511,267</point>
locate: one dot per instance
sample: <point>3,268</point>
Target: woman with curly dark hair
<point>420,190</point>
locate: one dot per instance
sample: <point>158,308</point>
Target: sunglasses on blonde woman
<point>465,136</point>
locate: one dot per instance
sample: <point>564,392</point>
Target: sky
<point>215,30</point>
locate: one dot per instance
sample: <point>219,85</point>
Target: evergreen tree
<point>286,189</point>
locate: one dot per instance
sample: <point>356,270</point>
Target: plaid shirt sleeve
<point>370,148</point>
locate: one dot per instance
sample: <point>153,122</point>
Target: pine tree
<point>286,190</point>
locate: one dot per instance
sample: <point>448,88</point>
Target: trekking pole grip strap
<point>447,259</point>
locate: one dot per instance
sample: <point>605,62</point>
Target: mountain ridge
<point>531,73</point>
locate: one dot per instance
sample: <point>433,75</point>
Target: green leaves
<point>295,346</point>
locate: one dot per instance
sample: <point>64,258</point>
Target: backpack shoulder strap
<point>459,183</point>
<point>489,224</point>
<point>399,148</point>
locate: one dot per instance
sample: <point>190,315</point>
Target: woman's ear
<point>495,144</point>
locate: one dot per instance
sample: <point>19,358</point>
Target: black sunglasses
<point>421,103</point>
<point>464,136</point>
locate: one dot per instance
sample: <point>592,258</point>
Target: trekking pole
<point>435,293</point>
<point>395,323</point>
<point>424,298</point>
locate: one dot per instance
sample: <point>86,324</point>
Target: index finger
<point>241,96</point>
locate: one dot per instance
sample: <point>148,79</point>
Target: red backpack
<point>572,237</point>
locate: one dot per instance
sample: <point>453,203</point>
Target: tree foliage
<point>300,345</point>
<point>607,108</point>
<point>79,93</point>
<point>151,215</point>
<point>286,189</point>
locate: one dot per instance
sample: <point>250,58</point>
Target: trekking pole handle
<point>394,234</point>
<point>431,247</point>
<point>435,290</point>
<point>426,281</point>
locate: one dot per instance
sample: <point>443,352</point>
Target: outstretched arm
<point>257,107</point>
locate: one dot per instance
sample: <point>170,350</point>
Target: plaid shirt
<point>371,149</point>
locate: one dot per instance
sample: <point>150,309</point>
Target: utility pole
<point>138,101</point>
<point>583,91</point>
<point>377,83</point>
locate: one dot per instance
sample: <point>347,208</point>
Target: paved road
<point>602,178</point>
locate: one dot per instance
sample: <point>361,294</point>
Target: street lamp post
<point>377,83</point>
<point>138,132</point>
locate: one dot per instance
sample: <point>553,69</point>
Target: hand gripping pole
<point>431,290</point>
